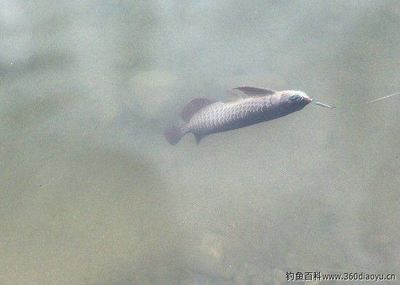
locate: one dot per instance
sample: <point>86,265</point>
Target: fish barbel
<point>204,117</point>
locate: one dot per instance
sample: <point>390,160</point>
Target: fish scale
<point>220,116</point>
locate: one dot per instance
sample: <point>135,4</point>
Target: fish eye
<point>295,98</point>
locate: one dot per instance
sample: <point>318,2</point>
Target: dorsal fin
<point>193,107</point>
<point>255,91</point>
<point>198,137</point>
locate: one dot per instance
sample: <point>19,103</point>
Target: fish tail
<point>174,134</point>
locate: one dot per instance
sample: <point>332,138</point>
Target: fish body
<point>203,117</point>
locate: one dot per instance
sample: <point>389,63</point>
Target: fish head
<point>294,100</point>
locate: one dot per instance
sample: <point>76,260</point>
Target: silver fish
<point>204,117</point>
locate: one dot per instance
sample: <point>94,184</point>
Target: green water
<point>91,193</point>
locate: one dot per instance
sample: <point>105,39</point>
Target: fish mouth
<point>308,99</point>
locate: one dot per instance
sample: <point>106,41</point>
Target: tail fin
<point>174,134</point>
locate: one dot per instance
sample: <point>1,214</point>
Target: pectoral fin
<point>255,91</point>
<point>235,96</point>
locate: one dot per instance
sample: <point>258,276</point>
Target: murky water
<point>91,193</point>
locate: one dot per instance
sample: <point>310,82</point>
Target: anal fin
<point>193,107</point>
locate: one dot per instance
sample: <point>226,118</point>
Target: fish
<point>203,117</point>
